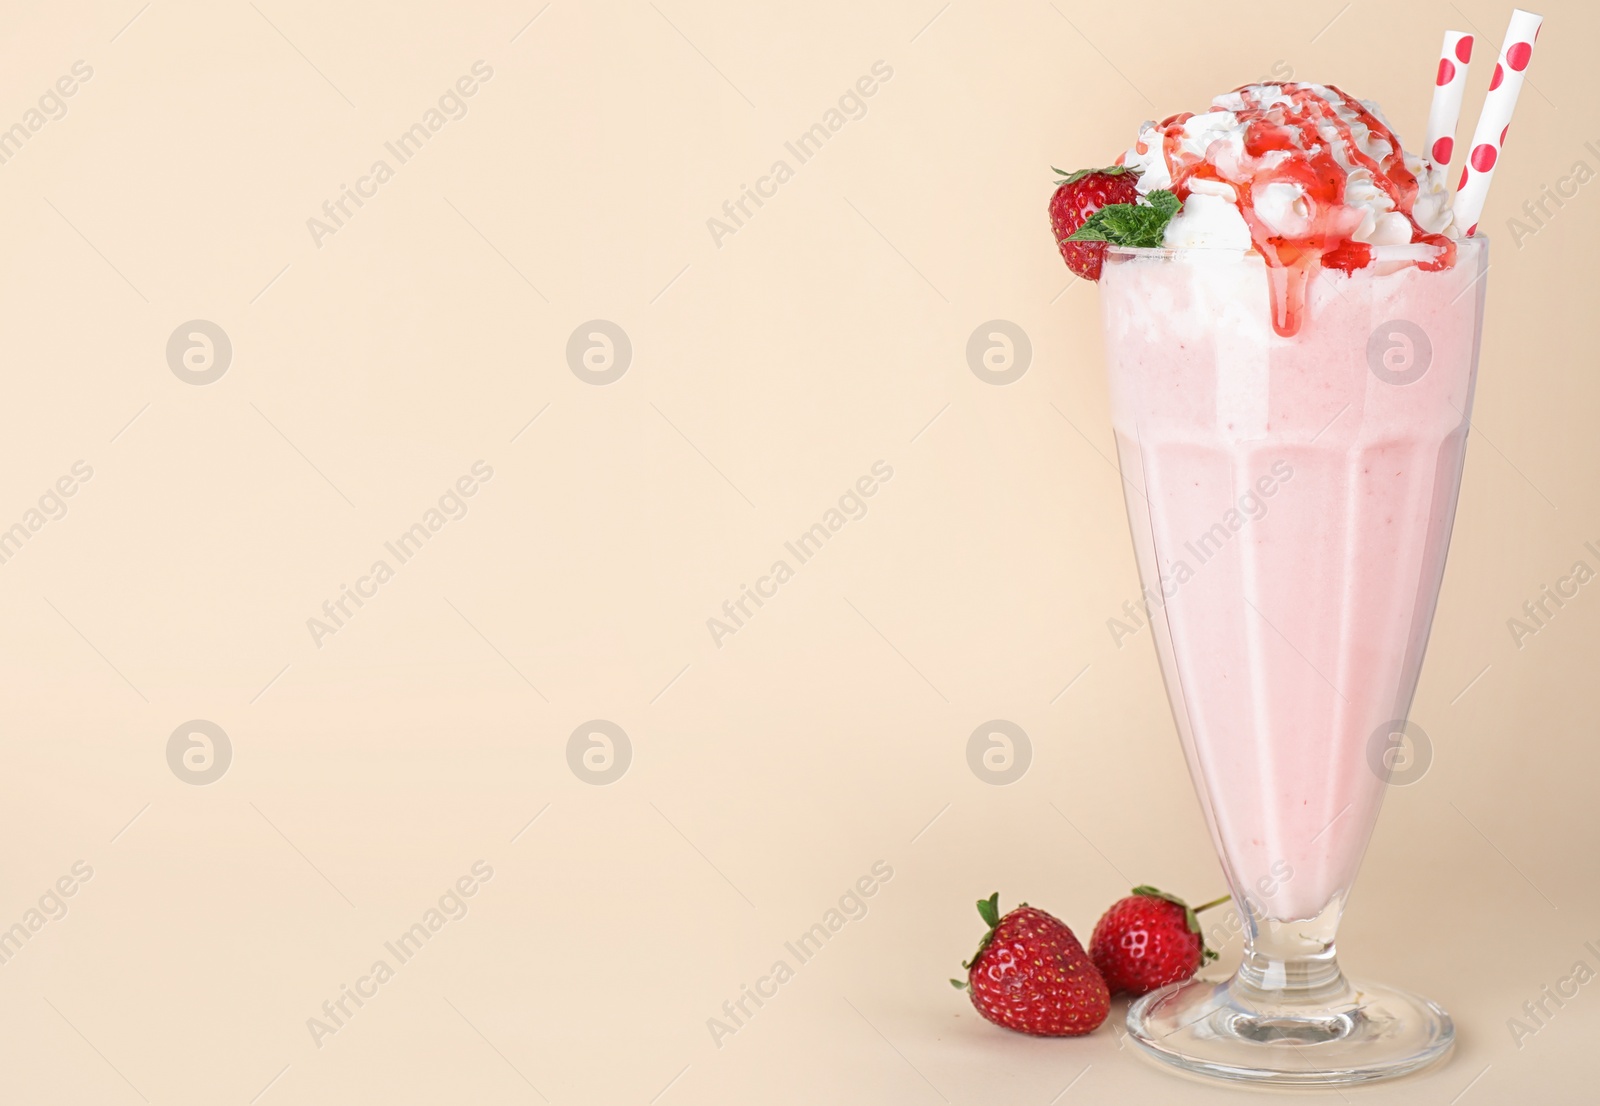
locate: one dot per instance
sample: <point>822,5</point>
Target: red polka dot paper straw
<point>1495,120</point>
<point>1448,84</point>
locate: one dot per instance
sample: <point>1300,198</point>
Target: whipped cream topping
<point>1374,212</point>
<point>1304,174</point>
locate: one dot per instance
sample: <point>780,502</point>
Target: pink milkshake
<point>1295,503</point>
<point>1291,321</point>
<point>1290,388</point>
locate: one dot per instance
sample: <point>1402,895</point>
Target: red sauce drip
<point>1310,130</point>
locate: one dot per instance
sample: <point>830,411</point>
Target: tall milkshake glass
<point>1291,445</point>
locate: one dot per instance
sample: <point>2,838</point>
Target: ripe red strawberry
<point>1031,975</point>
<point>1148,940</point>
<point>1078,196</point>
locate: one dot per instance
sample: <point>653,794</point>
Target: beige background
<point>768,373</point>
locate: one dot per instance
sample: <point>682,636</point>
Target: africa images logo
<point>850,106</point>
<point>449,107</point>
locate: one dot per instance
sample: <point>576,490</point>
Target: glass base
<point>1223,1031</point>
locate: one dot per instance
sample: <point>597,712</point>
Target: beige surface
<point>373,766</point>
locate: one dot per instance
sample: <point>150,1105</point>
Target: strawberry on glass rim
<point>1092,207</point>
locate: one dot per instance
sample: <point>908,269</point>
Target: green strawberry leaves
<point>1140,225</point>
<point>1074,178</point>
<point>989,909</point>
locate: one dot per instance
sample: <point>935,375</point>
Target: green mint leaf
<point>1164,201</point>
<point>1140,225</point>
<point>1110,224</point>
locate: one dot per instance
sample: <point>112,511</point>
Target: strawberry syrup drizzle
<point>1297,129</point>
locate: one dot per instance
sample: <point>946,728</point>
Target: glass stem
<point>1291,963</point>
